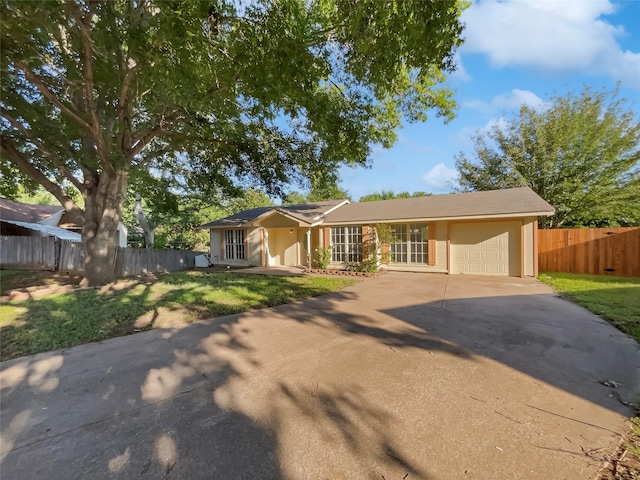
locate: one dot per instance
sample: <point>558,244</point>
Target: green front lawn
<point>68,319</point>
<point>15,279</point>
<point>616,299</point>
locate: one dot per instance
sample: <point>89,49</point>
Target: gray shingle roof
<point>495,203</point>
<point>26,212</point>
<point>305,212</point>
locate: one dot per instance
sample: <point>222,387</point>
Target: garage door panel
<point>492,255</point>
<point>490,248</point>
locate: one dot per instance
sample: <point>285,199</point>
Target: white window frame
<point>234,244</point>
<point>346,244</point>
<point>414,244</point>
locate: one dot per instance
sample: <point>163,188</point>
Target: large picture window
<point>346,244</point>
<point>234,244</point>
<point>411,243</point>
<point>398,249</point>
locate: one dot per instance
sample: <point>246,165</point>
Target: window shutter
<point>327,237</point>
<point>222,249</point>
<point>431,252</point>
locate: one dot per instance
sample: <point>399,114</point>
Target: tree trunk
<point>104,202</point>
<point>142,221</point>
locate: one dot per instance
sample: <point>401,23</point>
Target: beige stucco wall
<point>253,250</point>
<point>287,248</point>
<point>254,247</point>
<point>215,237</point>
<point>283,246</point>
<point>529,253</point>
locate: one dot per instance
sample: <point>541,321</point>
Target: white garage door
<point>489,248</point>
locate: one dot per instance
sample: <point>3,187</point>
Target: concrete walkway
<point>405,376</point>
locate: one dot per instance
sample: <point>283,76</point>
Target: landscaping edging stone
<point>342,273</point>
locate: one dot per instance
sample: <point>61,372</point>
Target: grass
<point>68,319</point>
<point>616,299</point>
<point>15,279</point>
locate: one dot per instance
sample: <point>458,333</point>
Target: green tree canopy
<point>182,96</point>
<point>581,154</point>
<point>179,228</point>
<point>319,192</point>
<point>390,195</point>
<point>294,198</point>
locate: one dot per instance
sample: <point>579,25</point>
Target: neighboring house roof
<point>26,212</point>
<point>48,230</point>
<point>307,213</point>
<point>54,215</point>
<point>513,202</point>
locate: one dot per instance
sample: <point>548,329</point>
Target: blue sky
<point>515,52</point>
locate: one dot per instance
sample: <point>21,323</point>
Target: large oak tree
<point>208,96</point>
<point>581,153</point>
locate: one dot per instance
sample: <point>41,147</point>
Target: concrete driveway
<point>404,376</point>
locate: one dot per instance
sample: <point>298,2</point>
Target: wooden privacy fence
<point>50,253</point>
<point>134,261</point>
<point>28,253</point>
<point>598,251</point>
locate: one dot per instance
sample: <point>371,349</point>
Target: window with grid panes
<point>398,248</point>
<point>411,243</point>
<point>234,244</point>
<point>418,242</point>
<point>346,244</point>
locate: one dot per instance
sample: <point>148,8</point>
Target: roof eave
<point>443,219</point>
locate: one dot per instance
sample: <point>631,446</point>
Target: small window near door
<point>234,244</point>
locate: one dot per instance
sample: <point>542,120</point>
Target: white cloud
<point>554,36</point>
<point>477,104</point>
<point>465,135</point>
<point>440,177</point>
<point>500,123</point>
<point>508,101</point>
<point>517,98</point>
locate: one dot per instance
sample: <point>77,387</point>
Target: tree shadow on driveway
<point>215,400</point>
<point>353,384</point>
<point>544,336</point>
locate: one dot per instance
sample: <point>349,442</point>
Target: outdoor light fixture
<point>291,230</point>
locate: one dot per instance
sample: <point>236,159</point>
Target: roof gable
<point>306,213</point>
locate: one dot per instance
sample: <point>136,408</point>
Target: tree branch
<point>31,138</point>
<point>87,50</point>
<point>122,104</point>
<point>151,155</point>
<point>144,140</point>
<point>167,120</point>
<point>20,161</point>
<point>33,78</point>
